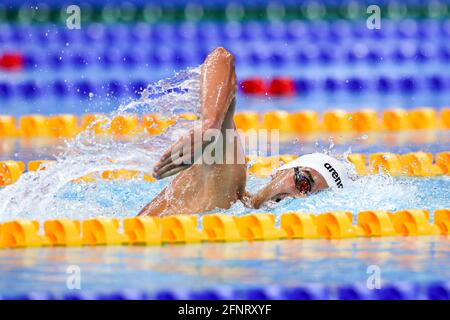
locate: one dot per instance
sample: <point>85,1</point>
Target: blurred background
<point>290,54</point>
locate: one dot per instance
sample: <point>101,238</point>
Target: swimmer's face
<point>299,182</point>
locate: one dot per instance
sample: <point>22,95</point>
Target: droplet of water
<point>37,195</point>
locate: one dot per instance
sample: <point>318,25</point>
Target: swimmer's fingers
<point>178,149</point>
<point>173,159</point>
<point>171,156</point>
<point>186,144</point>
<point>173,171</point>
<point>174,149</point>
<point>184,161</point>
<point>185,148</point>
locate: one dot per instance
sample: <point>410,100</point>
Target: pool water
<point>153,272</point>
<point>100,67</point>
<point>234,270</point>
<point>125,198</point>
<point>379,192</point>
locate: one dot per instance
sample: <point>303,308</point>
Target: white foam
<point>34,195</point>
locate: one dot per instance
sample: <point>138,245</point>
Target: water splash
<point>49,194</point>
<point>373,192</point>
<point>35,194</point>
<point>382,192</point>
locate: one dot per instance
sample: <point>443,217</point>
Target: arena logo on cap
<point>334,174</point>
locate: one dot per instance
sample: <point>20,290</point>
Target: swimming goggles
<point>302,182</point>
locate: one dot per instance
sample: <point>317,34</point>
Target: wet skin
<point>282,185</point>
<point>199,188</point>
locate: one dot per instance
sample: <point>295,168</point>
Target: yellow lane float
<point>7,126</point>
<point>184,229</point>
<point>63,125</point>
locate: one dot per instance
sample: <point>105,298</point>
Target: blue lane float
<point>254,30</point>
<point>302,54</point>
<point>398,291</point>
<point>31,89</point>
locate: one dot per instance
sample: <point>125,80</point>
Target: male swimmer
<point>201,187</point>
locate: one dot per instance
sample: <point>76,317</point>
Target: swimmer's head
<point>305,175</point>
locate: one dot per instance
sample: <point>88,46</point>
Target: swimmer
<point>200,187</point>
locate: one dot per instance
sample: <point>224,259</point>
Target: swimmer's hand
<point>182,154</point>
<point>217,91</point>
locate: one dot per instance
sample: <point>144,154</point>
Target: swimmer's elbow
<point>222,55</point>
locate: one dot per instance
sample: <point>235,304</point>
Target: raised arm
<point>217,91</point>
<point>218,87</point>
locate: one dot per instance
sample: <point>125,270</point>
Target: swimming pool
<point>384,104</point>
<point>317,269</point>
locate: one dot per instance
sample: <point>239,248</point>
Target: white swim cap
<point>334,171</point>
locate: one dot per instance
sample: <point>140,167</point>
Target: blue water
<point>370,193</point>
<point>287,263</point>
<point>404,53</point>
<point>126,198</point>
<point>403,142</point>
<point>110,60</point>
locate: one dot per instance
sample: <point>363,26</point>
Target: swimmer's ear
<point>172,172</point>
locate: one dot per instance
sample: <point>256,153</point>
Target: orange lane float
<point>155,124</point>
<point>299,225</point>
<point>63,232</point>
<point>301,121</point>
<point>63,125</point>
<point>96,123</point>
<point>423,118</point>
<point>259,226</point>
<point>417,164</point>
<point>181,229</point>
<point>287,157</point>
<point>306,121</point>
<point>124,125</point>
<point>442,221</point>
<point>247,120</point>
<point>7,126</point>
<point>359,162</point>
<point>36,165</point>
<point>102,231</point>
<point>337,225</point>
<point>395,119</point>
<point>186,116</point>
<point>277,119</point>
<point>33,125</point>
<point>365,120</point>
<point>420,164</point>
<point>445,117</point>
<point>443,161</point>
<point>414,223</point>
<point>264,166</point>
<point>10,171</point>
<point>143,230</point>
<point>386,162</point>
<point>221,228</point>
<point>20,234</point>
<point>119,174</point>
<point>337,121</point>
<point>376,223</point>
